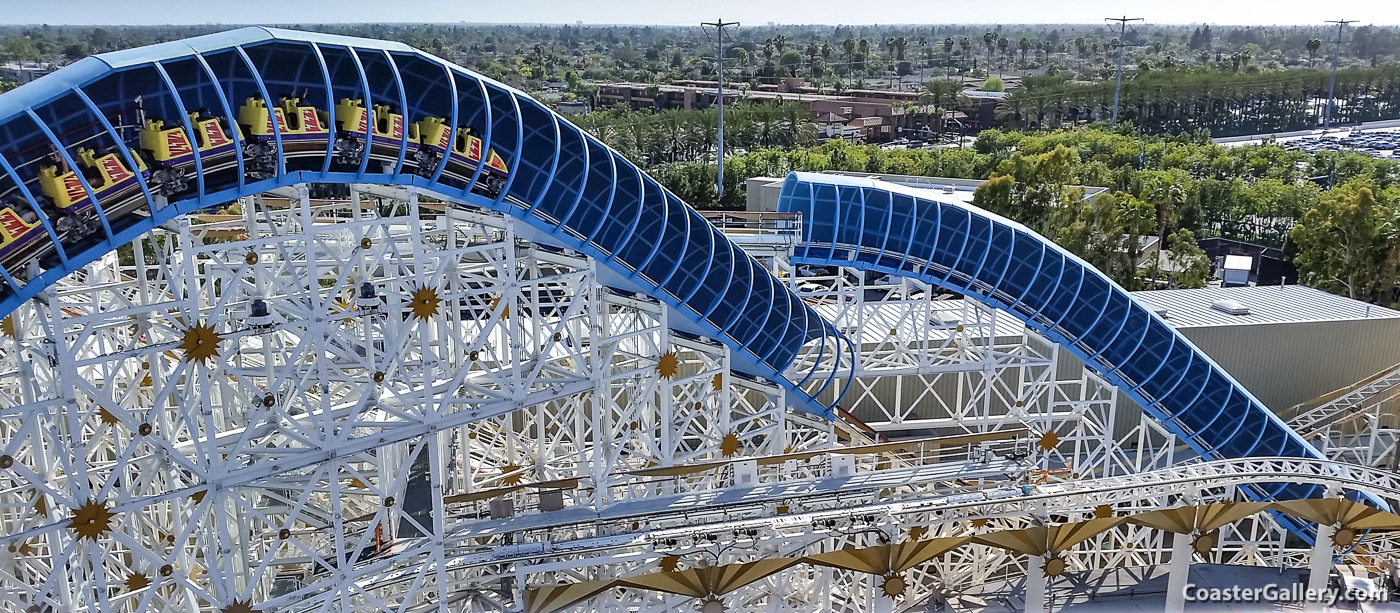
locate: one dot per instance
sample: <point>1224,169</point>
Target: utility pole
<point>1122,32</point>
<point>719,26</point>
<point>1336,59</point>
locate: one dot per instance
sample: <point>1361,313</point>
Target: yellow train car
<point>105,174</point>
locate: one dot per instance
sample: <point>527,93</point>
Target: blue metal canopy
<point>901,230</point>
<point>528,162</point>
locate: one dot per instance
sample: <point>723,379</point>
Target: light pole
<point>1122,31</point>
<point>719,25</point>
<point>1332,85</point>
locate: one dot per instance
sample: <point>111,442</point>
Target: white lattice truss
<point>434,413</point>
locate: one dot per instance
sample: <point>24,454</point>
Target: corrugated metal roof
<point>1276,304</point>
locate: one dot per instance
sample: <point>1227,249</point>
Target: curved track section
<point>889,228</point>
<point>101,152</point>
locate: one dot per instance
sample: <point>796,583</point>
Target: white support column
<point>1180,573</point>
<point>1035,585</point>
<point>1320,566</point>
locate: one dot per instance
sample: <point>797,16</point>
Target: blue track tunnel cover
<point>894,229</point>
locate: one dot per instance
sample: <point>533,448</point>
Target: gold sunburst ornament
<point>1054,566</point>
<point>424,303</point>
<point>1203,543</point>
<point>91,520</point>
<point>893,585</point>
<point>1049,440</point>
<point>240,606</point>
<point>669,564</point>
<point>729,446</point>
<point>511,479</point>
<point>137,581</point>
<point>668,365</point>
<point>201,343</point>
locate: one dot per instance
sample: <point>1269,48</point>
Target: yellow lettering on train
<point>177,144</point>
<point>74,188</point>
<point>13,226</point>
<point>214,133</point>
<point>281,120</point>
<point>495,161</point>
<point>473,148</point>
<point>116,173</point>
<point>309,121</point>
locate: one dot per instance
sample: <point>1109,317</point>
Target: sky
<point>671,12</point>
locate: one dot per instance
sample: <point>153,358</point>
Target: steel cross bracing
<point>213,454</point>
<point>611,550</point>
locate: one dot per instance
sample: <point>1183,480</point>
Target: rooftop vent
<point>948,189</point>
<point>1225,305</point>
<point>1160,313</point>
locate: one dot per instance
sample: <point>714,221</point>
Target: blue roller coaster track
<point>905,231</point>
<point>69,145</point>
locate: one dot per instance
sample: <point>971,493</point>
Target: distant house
<point>23,72</point>
<point>573,107</point>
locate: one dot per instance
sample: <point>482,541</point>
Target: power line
<point>719,25</point>
<point>1122,32</point>
<point>1336,59</point>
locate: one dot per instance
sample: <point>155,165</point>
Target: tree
<point>993,84</point>
<point>1189,266</point>
<point>1312,46</point>
<point>1347,243</point>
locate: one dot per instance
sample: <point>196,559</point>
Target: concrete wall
<point>762,194</point>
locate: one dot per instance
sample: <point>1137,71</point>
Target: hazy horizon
<point>650,13</point>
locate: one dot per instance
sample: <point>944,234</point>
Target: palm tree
<point>966,44</point>
<point>947,53</point>
<point>989,40</point>
<point>1312,46</point>
<point>1011,109</point>
<point>1002,44</point>
<point>779,43</point>
<point>1025,47</point>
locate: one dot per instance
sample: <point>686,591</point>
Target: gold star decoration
<point>1103,511</point>
<point>240,606</point>
<point>1204,543</point>
<point>668,365</point>
<point>1049,440</point>
<point>729,446</point>
<point>1054,566</point>
<point>424,303</point>
<point>717,383</point>
<point>511,479</point>
<point>1344,537</point>
<point>7,326</point>
<point>201,343</point>
<point>137,581</point>
<point>670,563</point>
<point>893,585</point>
<point>107,417</point>
<point>91,520</point>
<point>917,532</point>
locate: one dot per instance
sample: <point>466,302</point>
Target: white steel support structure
<point>382,403</point>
